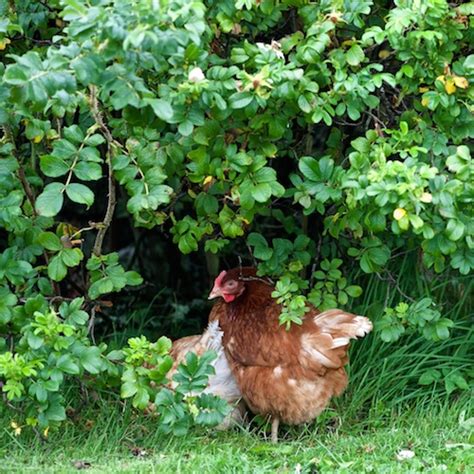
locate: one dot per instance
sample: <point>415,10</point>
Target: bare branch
<point>111,198</point>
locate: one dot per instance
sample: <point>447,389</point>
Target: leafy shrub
<point>320,135</point>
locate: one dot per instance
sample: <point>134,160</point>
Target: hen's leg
<point>275,423</point>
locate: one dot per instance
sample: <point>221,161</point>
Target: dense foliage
<point>308,137</point>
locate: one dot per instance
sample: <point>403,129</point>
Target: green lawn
<point>107,441</point>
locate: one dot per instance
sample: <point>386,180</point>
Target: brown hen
<point>289,375</point>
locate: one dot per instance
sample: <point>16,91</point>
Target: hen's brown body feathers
<point>293,374</point>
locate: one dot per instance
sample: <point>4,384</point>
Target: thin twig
<point>27,188</point>
<point>111,198</point>
<point>393,282</point>
<point>90,327</point>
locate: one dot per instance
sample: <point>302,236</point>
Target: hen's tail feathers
<point>342,326</point>
<point>336,328</point>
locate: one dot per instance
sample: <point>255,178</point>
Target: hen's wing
<point>320,343</point>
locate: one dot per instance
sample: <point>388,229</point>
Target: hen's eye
<point>231,283</point>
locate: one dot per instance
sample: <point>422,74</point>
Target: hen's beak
<point>215,292</point>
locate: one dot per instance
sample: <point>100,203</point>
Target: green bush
<point>314,136</point>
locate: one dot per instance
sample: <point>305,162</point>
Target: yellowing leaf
<point>426,197</point>
<point>3,43</point>
<point>441,79</point>
<point>193,409</point>
<point>425,102</point>
<point>46,432</point>
<point>207,180</point>
<point>399,213</point>
<point>383,54</point>
<point>37,138</point>
<point>16,428</point>
<point>461,82</point>
<point>423,89</point>
<point>450,86</point>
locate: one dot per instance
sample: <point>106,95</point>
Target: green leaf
<point>309,167</point>
<point>71,257</point>
<point>141,398</point>
<point>50,241</point>
<point>262,192</point>
<point>239,100</point>
<point>354,291</point>
<point>355,55</point>
<point>128,389</point>
<point>133,278</point>
<point>455,229</point>
<point>116,356</point>
<point>34,341</point>
<point>430,376</point>
<point>67,365</point>
<point>161,107</point>
<point>51,200</point>
<point>91,360</point>
<point>53,166</point>
<point>80,193</point>
<point>56,268</point>
<point>74,134</point>
<point>64,149</point>
<point>95,140</point>
<point>186,128</point>
<point>88,171</point>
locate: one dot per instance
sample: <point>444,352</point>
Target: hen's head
<point>231,284</point>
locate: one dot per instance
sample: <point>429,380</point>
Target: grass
<point>384,411</point>
<point>111,441</point>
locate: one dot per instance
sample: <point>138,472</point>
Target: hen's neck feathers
<point>257,295</point>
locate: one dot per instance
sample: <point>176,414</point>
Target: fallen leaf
<point>81,464</point>
<point>139,452</point>
<point>405,454</point>
<point>459,445</point>
<point>369,448</point>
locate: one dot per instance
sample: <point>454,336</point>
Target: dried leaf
<point>405,454</point>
